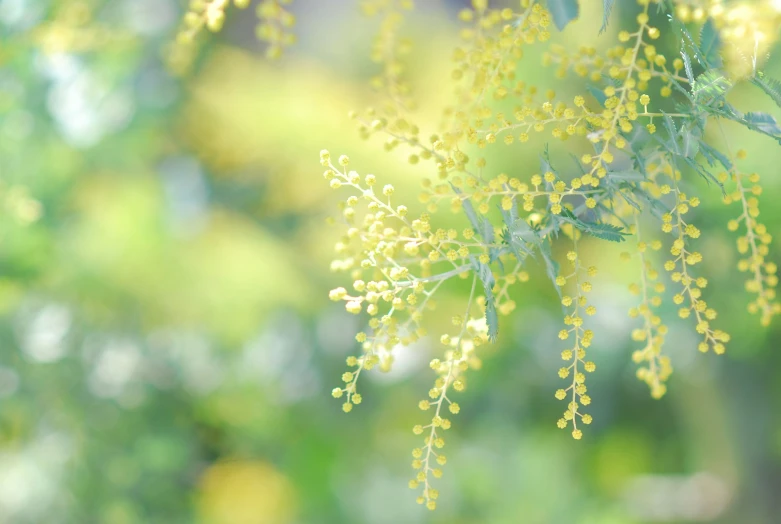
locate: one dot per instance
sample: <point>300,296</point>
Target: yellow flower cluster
<point>397,263</point>
<point>632,65</point>
<point>754,245</point>
<point>485,72</point>
<point>506,192</point>
<point>493,43</point>
<point>577,306</point>
<point>655,368</point>
<point>273,28</point>
<point>487,60</point>
<point>387,50</point>
<point>396,260</point>
<point>381,250</point>
<point>587,63</point>
<point>458,358</point>
<point>680,269</point>
<point>209,14</point>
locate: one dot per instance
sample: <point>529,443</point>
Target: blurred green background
<point>167,347</point>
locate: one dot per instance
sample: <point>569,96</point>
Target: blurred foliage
<point>168,347</point>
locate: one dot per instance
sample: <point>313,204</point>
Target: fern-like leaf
<point>763,122</point>
<point>486,276</point>
<point>769,85</point>
<point>710,44</point>
<point>710,86</point>
<point>606,232</point>
<point>608,8</point>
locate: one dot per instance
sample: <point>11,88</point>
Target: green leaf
<point>486,276</point>
<point>606,232</point>
<point>690,145</point>
<point>712,154</point>
<point>759,122</point>
<point>687,65</point>
<point>569,215</point>
<point>684,144</point>
<point>672,133</point>
<point>522,230</point>
<point>710,86</point>
<point>770,86</point>
<point>551,266</point>
<point>595,229</point>
<point>630,201</point>
<point>563,12</point>
<point>704,173</point>
<point>608,8</point>
<point>687,44</point>
<point>523,239</point>
<point>491,320</point>
<point>763,122</point>
<point>517,247</point>
<point>710,44</point>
